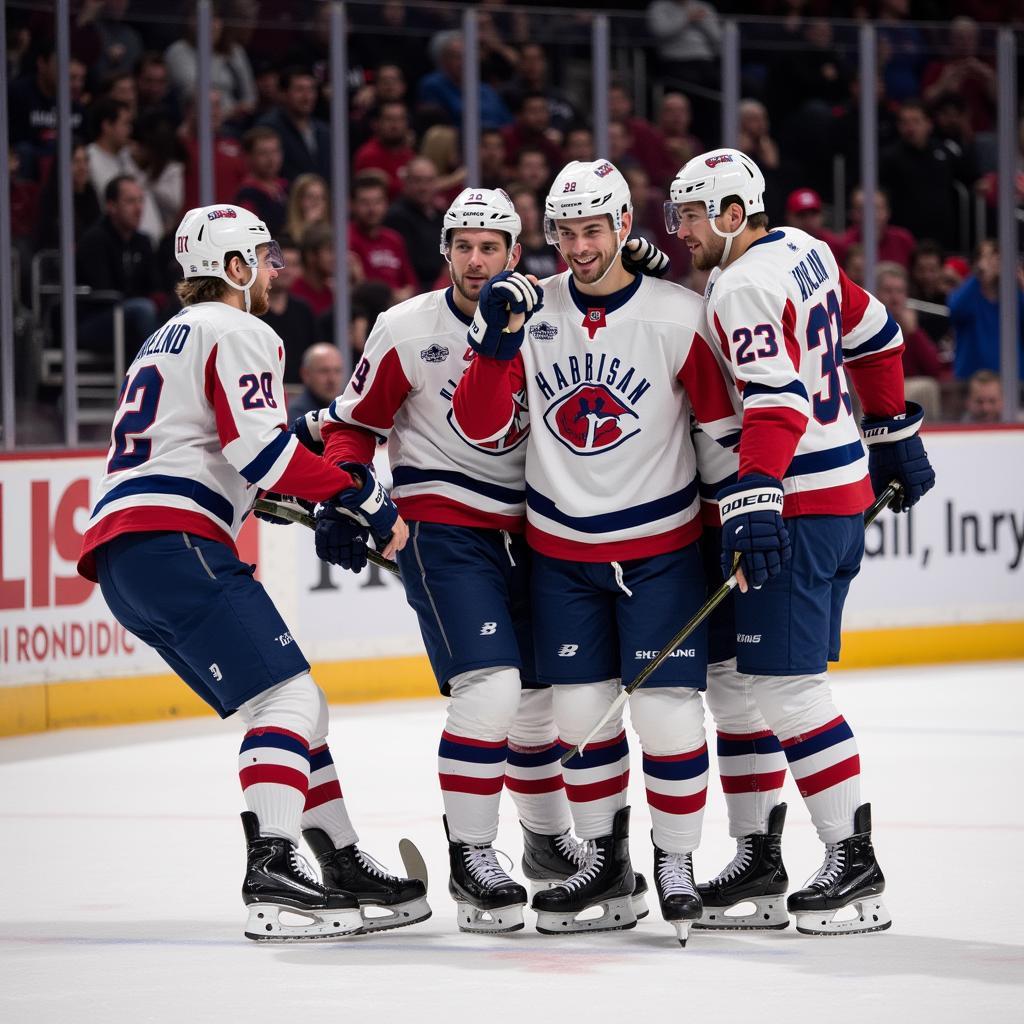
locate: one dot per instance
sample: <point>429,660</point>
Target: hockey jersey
<point>402,391</point>
<point>199,428</point>
<point>790,322</point>
<point>610,381</point>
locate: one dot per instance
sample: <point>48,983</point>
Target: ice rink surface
<point>122,857</point>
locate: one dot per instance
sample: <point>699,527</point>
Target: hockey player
<point>610,372</point>
<point>466,568</point>
<point>790,322</point>
<point>199,427</point>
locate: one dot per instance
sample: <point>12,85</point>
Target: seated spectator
<point>441,90</point>
<point>289,316</point>
<point>964,74</point>
<point>647,146</point>
<point>389,84</point>
<point>264,191</point>
<point>532,127</point>
<point>440,146</point>
<point>416,217</point>
<point>984,401</point>
<point>494,172</point>
<point>305,139</point>
<point>389,149</point>
<point>579,144</point>
<point>323,378</point>
<point>114,255</point>
<point>974,314</point>
<point>533,171</point>
<point>804,211</point>
<point>315,285</point>
<point>894,244</point>
<point>161,160</point>
<point>380,250</point>
<point>229,168</point>
<point>84,201</point>
<point>536,256</point>
<point>532,77</point>
<point>927,285</point>
<point>675,117</point>
<point>309,202</point>
<point>121,87</point>
<point>153,88</point>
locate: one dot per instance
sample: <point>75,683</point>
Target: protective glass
<point>677,215</point>
<point>270,255</point>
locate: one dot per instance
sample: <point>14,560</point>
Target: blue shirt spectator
<point>442,89</point>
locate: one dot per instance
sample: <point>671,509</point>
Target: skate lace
<point>373,866</point>
<point>831,869</point>
<point>483,865</point>
<point>303,867</point>
<point>591,860</point>
<point>738,864</point>
<point>675,874</point>
<point>571,848</point>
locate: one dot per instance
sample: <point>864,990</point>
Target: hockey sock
<point>533,775</point>
<point>325,804</point>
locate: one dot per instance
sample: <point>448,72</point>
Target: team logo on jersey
<point>516,434</point>
<point>594,320</point>
<point>590,419</point>
<point>714,161</point>
<point>218,214</point>
<point>434,353</point>
<point>543,331</point>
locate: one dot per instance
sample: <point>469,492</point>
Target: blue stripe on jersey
<point>674,771</point>
<point>159,483</point>
<point>608,522</point>
<point>533,758</point>
<point>875,342</point>
<point>758,745</point>
<point>609,303</point>
<point>772,236</point>
<point>449,297</point>
<point>469,752</point>
<point>709,491</point>
<point>276,740</point>
<point>822,741</point>
<point>730,440</point>
<point>261,465</point>
<point>796,387</point>
<point>598,757</point>
<point>321,760</point>
<point>831,458</point>
<point>403,475</point>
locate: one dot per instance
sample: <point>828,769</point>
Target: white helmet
<point>207,234</point>
<point>586,189</point>
<point>489,208</point>
<point>710,178</point>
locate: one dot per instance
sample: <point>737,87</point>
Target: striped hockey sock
<point>595,782</point>
<point>325,804</point>
<point>534,779</point>
<point>273,767</point>
<point>472,773</point>
<point>826,766</point>
<point>677,789</point>
<point>752,767</point>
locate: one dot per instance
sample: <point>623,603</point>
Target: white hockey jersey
<point>402,392</point>
<point>199,427</point>
<point>610,382</point>
<point>788,319</point>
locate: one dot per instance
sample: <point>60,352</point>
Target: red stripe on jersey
<point>600,744</point>
<point>307,476</point>
<point>709,513</point>
<point>434,508</point>
<point>275,731</point>
<point>274,775</point>
<point>322,794</point>
<point>702,376</point>
<point>143,519</point>
<point>844,500</point>
<point>613,551</point>
<point>387,392</point>
<point>801,737</point>
<point>597,790</point>
<point>789,334</point>
<point>226,429</point>
<point>878,379</point>
<point>762,783</point>
<point>345,443</point>
<point>809,785</point>
<point>468,742</point>
<point>483,402</point>
<point>722,339</point>
<point>468,784</point>
<point>743,737</point>
<point>677,804</point>
<point>769,440</point>
<point>853,300</point>
<point>689,755</point>
<point>551,784</point>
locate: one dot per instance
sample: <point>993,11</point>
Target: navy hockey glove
<point>753,528</point>
<point>307,430</point>
<point>896,452</point>
<point>339,539</point>
<point>369,502</point>
<point>298,504</point>
<point>506,293</point>
<point>642,257</point>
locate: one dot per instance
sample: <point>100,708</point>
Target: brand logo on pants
<point>568,650</point>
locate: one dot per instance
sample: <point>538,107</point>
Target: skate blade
<point>616,915</point>
<point>640,908</point>
<point>412,859</point>
<point>266,925</point>
<point>380,918</point>
<point>769,914</point>
<point>871,917</point>
<point>682,931</point>
<point>489,922</point>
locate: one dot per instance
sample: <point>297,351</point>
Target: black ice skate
<point>385,901</point>
<point>548,860</point>
<point>486,898</point>
<point>677,891</point>
<point>849,877</point>
<point>757,876</point>
<point>604,880</point>
<point>276,882</point>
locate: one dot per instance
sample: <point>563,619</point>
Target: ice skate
<point>385,900</point>
<point>677,891</point>
<point>277,883</point>
<point>604,880</point>
<point>750,892</point>
<point>486,898</point>
<point>548,860</point>
<point>849,878</point>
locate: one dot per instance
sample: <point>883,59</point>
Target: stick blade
<point>415,865</point>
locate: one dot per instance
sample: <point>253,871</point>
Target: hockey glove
<point>368,502</point>
<point>642,257</point>
<point>506,293</point>
<point>753,528</point>
<point>307,430</point>
<point>298,504</point>
<point>896,452</point>
<point>339,539</point>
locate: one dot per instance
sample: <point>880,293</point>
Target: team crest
<point>434,353</point>
<point>722,158</point>
<point>543,331</point>
<point>590,419</point>
<point>218,214</point>
<point>516,434</point>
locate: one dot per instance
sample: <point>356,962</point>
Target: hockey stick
<point>293,515</point>
<point>889,494</point>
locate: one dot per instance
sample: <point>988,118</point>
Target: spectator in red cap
<point>803,211</point>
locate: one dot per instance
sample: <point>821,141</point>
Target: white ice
<point>121,857</point>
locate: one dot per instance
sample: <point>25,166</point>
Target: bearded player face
<point>590,245</point>
<point>695,230</point>
<point>475,256</point>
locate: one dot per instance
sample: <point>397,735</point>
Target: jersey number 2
<point>142,392</point>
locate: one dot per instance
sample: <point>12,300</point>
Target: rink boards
<point>943,584</point>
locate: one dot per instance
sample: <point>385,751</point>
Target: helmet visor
<point>269,255</point>
<point>679,214</point>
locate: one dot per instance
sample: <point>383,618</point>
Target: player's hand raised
<point>506,302</point>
